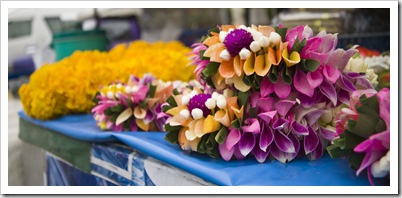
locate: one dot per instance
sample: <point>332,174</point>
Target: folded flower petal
<point>225,153</point>
<point>266,138</point>
<point>246,143</point>
<point>299,129</point>
<point>265,104</point>
<point>233,138</point>
<point>315,78</point>
<point>329,91</point>
<point>226,69</point>
<point>266,87</point>
<point>331,73</point>
<point>293,34</point>
<point>283,106</point>
<point>327,133</point>
<point>339,58</point>
<point>262,65</point>
<point>260,155</point>
<point>317,152</point>
<point>291,59</point>
<point>280,123</point>
<point>283,142</point>
<point>238,65</point>
<point>310,141</point>
<point>199,128</point>
<point>251,125</point>
<point>345,83</point>
<point>249,65</point>
<point>239,84</point>
<point>211,125</point>
<point>123,116</point>
<point>267,116</point>
<point>222,116</point>
<point>301,84</point>
<point>282,90</point>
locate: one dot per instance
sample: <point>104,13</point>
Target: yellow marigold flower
<point>68,86</point>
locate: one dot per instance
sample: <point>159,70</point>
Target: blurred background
<point>40,36</point>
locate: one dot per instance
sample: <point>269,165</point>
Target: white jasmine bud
<point>242,27</point>
<point>118,94</point>
<point>185,113</point>
<point>193,93</point>
<point>230,29</point>
<point>224,55</point>
<point>128,89</point>
<point>110,95</point>
<point>134,89</point>
<point>197,113</point>
<point>221,102</point>
<point>274,38</point>
<point>255,46</point>
<point>244,54</point>
<point>215,95</point>
<point>185,99</point>
<point>257,35</point>
<point>222,36</point>
<point>264,41</point>
<point>210,103</point>
<point>118,86</point>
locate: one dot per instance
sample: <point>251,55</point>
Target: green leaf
<point>203,39</point>
<point>171,101</point>
<point>127,123</point>
<point>108,111</point>
<point>243,98</point>
<point>246,80</point>
<point>113,117</point>
<point>176,92</point>
<point>381,126</point>
<point>214,152</point>
<point>201,147</point>
<point>216,30</point>
<point>118,108</point>
<point>273,74</point>
<point>340,142</point>
<point>166,108</point>
<point>210,69</point>
<point>298,46</point>
<point>129,103</point>
<point>352,140</point>
<point>211,142</point>
<point>95,99</point>
<point>253,112</point>
<point>221,135</point>
<point>355,159</point>
<point>336,152</point>
<point>310,65</point>
<point>143,104</point>
<point>152,90</point>
<point>172,137</point>
<point>257,81</point>
<point>202,57</point>
<point>168,128</point>
<point>286,76</point>
<point>235,124</point>
<point>281,32</point>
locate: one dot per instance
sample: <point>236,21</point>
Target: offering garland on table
<point>269,91</point>
<point>68,86</point>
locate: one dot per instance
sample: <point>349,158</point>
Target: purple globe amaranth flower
<point>198,101</point>
<point>236,40</point>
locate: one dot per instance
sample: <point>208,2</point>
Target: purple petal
<point>134,127</point>
<point>266,87</point>
<point>329,42</point>
<point>318,152</point>
<point>284,143</point>
<point>149,117</point>
<point>328,90</point>
<point>370,158</point>
<point>345,83</point>
<point>280,123</point>
<point>306,101</point>
<point>278,154</point>
<point>384,102</point>
<point>339,58</point>
<point>310,141</point>
<point>253,98</point>
<point>308,32</point>
<point>327,134</point>
<point>301,83</point>
<point>232,139</point>
<point>331,73</point>
<point>224,152</point>
<point>266,137</point>
<point>293,34</point>
<point>260,155</point>
<point>313,116</point>
<point>237,153</point>
<point>283,106</point>
<point>140,94</point>
<point>282,90</point>
<point>353,75</point>
<point>322,57</point>
<point>267,116</point>
<point>301,111</point>
<point>253,126</point>
<point>265,104</point>
<point>246,143</point>
<point>296,143</point>
<point>314,79</point>
<point>364,83</point>
<point>344,96</point>
<point>299,129</point>
<point>311,45</point>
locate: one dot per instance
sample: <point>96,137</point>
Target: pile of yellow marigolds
<point>68,86</point>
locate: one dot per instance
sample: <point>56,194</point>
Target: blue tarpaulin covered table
<point>299,172</point>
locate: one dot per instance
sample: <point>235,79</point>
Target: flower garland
<point>363,132</point>
<point>284,85</point>
<point>68,86</point>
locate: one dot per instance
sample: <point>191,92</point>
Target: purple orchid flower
<point>200,64</point>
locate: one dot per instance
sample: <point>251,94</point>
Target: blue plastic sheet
<point>300,172</point>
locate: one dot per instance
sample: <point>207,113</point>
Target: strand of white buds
<point>193,93</point>
<point>222,36</point>
<point>185,113</point>
<point>215,95</point>
<point>274,38</point>
<point>128,89</point>
<point>255,46</point>
<point>380,168</point>
<point>221,102</point>
<point>264,41</point>
<point>244,53</point>
<point>110,95</point>
<point>185,99</point>
<point>224,55</point>
<point>135,89</point>
<point>118,86</point>
<point>197,113</point>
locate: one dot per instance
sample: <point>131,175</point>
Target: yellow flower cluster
<point>68,86</point>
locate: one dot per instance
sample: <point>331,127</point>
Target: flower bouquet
<point>269,92</point>
<point>363,132</point>
<point>133,106</point>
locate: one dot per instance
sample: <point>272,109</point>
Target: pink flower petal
<point>282,90</point>
<point>283,106</point>
<point>266,87</point>
<point>265,104</point>
<point>253,99</point>
<point>318,152</point>
<point>315,78</point>
<point>260,155</point>
<point>310,141</point>
<point>280,123</point>
<point>327,134</point>
<point>331,73</point>
<point>329,91</point>
<point>252,126</point>
<point>345,83</point>
<point>232,139</point>
<point>301,84</point>
<point>247,143</point>
<point>293,34</point>
<point>266,138</point>
<point>299,129</point>
<point>339,58</point>
<point>224,152</point>
<point>284,143</point>
<point>267,116</point>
